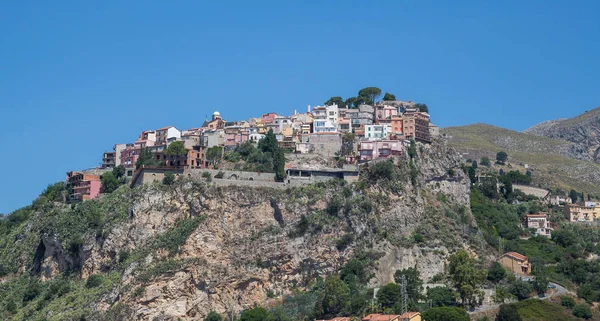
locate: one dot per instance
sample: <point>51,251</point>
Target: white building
<point>325,119</point>
<point>540,223</point>
<point>377,131</point>
<point>167,133</point>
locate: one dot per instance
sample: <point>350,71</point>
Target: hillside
<point>583,131</point>
<point>177,252</point>
<point>554,162</point>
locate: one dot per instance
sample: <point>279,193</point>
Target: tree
<point>255,314</point>
<point>245,149</point>
<point>501,157</point>
<point>520,289</point>
<point>389,295</point>
<point>214,154</point>
<point>440,296</point>
<point>582,310</point>
<point>348,144</point>
<point>213,316</point>
<point>269,144</point>
<point>573,195</point>
<point>472,175</point>
<point>540,284</point>
<point>474,164</point>
<point>169,178</point>
<point>485,161</point>
<point>414,287</point>
<point>508,312</point>
<point>109,182</point>
<point>176,149</point>
<point>369,94</point>
<point>446,314</point>
<point>388,97</point>
<point>466,277</point>
<point>567,301</point>
<point>422,107</point>
<point>146,158</point>
<point>335,100</point>
<point>336,296</point>
<point>119,171</point>
<point>351,102</point>
<point>496,272</point>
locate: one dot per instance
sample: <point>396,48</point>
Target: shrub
<point>94,281</point>
<point>343,242</point>
<point>334,206</point>
<point>418,238</point>
<point>139,291</point>
<point>567,301</point>
<point>582,311</point>
<point>213,316</point>
<point>207,176</point>
<point>175,237</point>
<point>169,178</point>
<point>508,312</point>
<point>446,314</point>
<point>220,174</point>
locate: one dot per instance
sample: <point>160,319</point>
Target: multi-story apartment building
<point>325,119</point>
<point>540,223</point>
<point>581,213</point>
<point>377,131</point>
<point>234,136</point>
<point>166,133</point>
<point>416,126</point>
<point>375,149</point>
<point>108,160</point>
<point>84,186</point>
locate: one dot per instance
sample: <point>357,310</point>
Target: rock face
<point>250,246</point>
<point>583,131</point>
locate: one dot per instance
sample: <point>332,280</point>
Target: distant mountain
<point>555,163</point>
<point>583,131</point>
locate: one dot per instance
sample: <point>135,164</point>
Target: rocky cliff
<point>180,251</point>
<point>583,131</point>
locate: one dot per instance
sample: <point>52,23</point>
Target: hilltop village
<point>333,137</point>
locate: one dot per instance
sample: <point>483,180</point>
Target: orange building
<point>408,316</point>
<point>515,263</point>
<point>84,186</point>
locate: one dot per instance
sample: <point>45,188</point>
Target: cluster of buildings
<point>379,130</point>
<point>407,316</point>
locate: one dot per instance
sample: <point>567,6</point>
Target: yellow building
<point>578,213</point>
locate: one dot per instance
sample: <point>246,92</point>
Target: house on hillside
<point>83,186</point>
<point>407,316</point>
<point>515,263</point>
<point>581,213</point>
<point>337,319</point>
<point>540,223</point>
<point>166,133</point>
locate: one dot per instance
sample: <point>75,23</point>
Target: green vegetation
<point>446,314</point>
<point>169,178</point>
<point>466,277</point>
<point>214,155</point>
<point>388,97</point>
<point>534,309</point>
<point>268,157</point>
<point>176,149</point>
<point>582,311</point>
<point>213,316</point>
<point>501,157</point>
<point>567,301</point>
<point>146,158</point>
<point>335,100</point>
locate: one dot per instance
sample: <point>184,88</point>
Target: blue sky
<point>78,76</point>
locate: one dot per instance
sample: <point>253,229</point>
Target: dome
<point>216,113</point>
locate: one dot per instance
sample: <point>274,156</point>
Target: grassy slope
<point>552,169</point>
<point>578,119</point>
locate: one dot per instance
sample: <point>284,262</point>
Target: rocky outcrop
<point>583,131</point>
<point>249,246</point>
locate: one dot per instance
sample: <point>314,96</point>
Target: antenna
<point>404,296</point>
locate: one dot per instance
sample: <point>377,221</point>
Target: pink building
<point>374,149</point>
<point>268,118</point>
<point>383,112</point>
<point>84,186</point>
<point>234,136</point>
<point>130,155</point>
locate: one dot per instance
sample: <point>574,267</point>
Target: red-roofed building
<point>540,223</point>
<point>337,319</point>
<point>515,263</point>
<point>408,316</point>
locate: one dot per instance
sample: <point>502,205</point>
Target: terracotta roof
<point>537,215</point>
<point>337,319</point>
<point>408,314</point>
<point>165,128</point>
<point>381,317</point>
<point>515,255</point>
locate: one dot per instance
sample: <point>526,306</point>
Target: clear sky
<point>78,76</point>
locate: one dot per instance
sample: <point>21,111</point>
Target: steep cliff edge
<point>180,251</point>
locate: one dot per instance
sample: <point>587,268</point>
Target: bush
<point>582,311</point>
<point>343,242</point>
<point>94,281</point>
<point>169,178</point>
<point>178,235</point>
<point>139,291</point>
<point>446,314</point>
<point>220,174</point>
<point>418,238</point>
<point>213,316</point>
<point>567,301</point>
<point>508,312</point>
